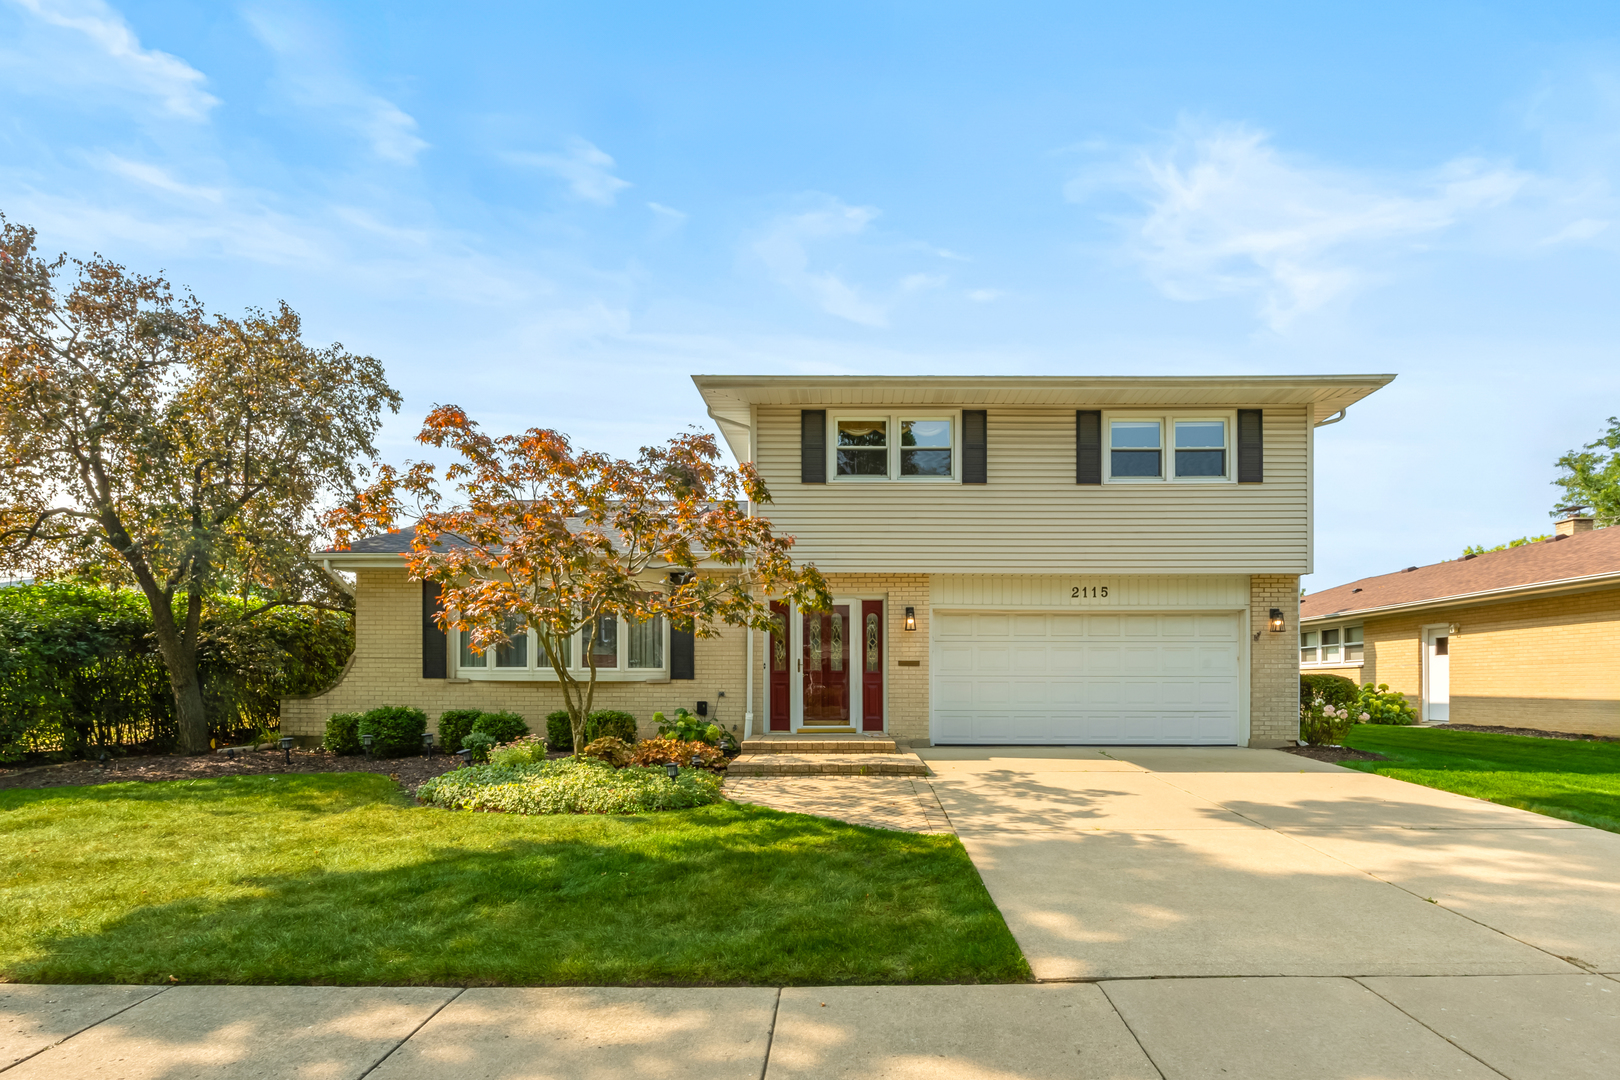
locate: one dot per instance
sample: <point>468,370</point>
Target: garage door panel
<point>1020,677</point>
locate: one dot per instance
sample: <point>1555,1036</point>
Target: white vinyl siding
<point>1031,516</point>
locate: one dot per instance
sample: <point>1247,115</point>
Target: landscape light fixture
<point>465,756</point>
<point>366,741</point>
<point>1277,623</point>
<point>427,744</point>
<point>230,754</point>
<point>911,618</point>
<point>697,761</point>
<point>673,770</point>
<point>286,748</point>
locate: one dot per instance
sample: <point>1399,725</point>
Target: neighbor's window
<point>863,448</point>
<point>1135,449</point>
<point>1334,645</point>
<point>925,448</point>
<point>1201,448</point>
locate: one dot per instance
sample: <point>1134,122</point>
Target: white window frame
<point>892,422</point>
<point>539,669</point>
<point>1167,445</point>
<point>1341,662</point>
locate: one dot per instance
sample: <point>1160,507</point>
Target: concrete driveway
<point>1254,913</point>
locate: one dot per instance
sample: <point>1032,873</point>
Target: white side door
<point>1437,674</point>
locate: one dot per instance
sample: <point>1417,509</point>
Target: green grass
<point>338,879</point>
<point>1576,781</point>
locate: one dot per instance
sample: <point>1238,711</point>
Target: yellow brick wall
<point>386,669</point>
<point>1273,661</point>
<point>1540,663</point>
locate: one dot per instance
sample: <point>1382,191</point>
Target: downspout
<point>337,578</point>
<point>1334,419</point>
<point>748,634</point>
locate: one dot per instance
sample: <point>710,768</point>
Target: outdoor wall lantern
<point>286,748</point>
<point>673,770</point>
<point>1277,624</point>
<point>366,741</point>
<point>427,743</point>
<point>911,618</point>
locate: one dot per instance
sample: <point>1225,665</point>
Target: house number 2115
<point>1082,592</point>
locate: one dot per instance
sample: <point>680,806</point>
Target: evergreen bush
<point>504,726</point>
<point>599,724</point>
<point>343,733</point>
<point>396,730</point>
<point>1336,690</point>
<point>453,727</point>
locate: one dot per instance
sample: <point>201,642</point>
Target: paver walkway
<point>1342,926</point>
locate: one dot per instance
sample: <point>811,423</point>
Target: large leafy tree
<point>545,536</point>
<point>144,440</point>
<point>1591,477</point>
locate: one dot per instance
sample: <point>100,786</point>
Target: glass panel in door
<point>825,660</point>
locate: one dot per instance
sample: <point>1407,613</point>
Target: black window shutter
<point>682,654</point>
<point>435,642</point>
<point>975,452</point>
<point>812,448</point>
<point>1251,447</point>
<point>1088,446</point>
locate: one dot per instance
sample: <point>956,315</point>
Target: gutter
<point>1540,588</point>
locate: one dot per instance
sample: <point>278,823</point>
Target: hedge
<point>599,724</point>
<point>1336,690</point>
<point>80,670</point>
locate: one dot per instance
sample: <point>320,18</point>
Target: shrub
<point>1385,706</point>
<point>1322,723</point>
<point>614,751</point>
<point>396,729</point>
<point>480,743</point>
<point>663,750</point>
<point>1336,690</point>
<point>453,727</point>
<point>505,726</point>
<point>569,786</point>
<point>343,733</point>
<point>602,722</point>
<point>688,728</point>
<point>527,750</point>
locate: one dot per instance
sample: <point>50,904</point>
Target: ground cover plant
<point>339,879</point>
<point>1577,781</point>
<point>570,786</point>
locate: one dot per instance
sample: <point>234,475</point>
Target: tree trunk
<point>179,652</point>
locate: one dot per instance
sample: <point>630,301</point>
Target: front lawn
<point>338,878</point>
<point>1577,781</point>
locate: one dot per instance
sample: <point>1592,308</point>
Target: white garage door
<point>1013,677</point>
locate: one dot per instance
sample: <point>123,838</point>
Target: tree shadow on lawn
<point>746,897</point>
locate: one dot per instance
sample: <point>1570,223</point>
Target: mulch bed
<point>1535,733</point>
<point>1333,754</point>
<point>411,772</point>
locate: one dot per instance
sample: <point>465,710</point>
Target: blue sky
<point>554,214</point>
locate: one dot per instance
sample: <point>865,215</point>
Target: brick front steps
<point>824,755</point>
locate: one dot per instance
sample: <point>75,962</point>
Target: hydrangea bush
<point>1385,706</point>
<point>1324,724</point>
<point>569,786</point>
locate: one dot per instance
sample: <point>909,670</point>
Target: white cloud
<point>784,251</point>
<point>984,296</point>
<point>315,79</point>
<point>118,61</point>
<point>669,213</point>
<point>155,177</point>
<point>587,169</point>
<point>1224,212</point>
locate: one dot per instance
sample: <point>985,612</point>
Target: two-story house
<point>1014,560</point>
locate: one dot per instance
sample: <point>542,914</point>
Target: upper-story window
<point>897,446</point>
<point>1199,448</point>
<point>863,448</point>
<point>1331,646</point>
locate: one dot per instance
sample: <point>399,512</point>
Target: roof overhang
<point>362,560</point>
<point>731,398</point>
<point>1485,596</point>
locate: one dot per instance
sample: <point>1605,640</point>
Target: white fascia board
<point>362,560</point>
<point>1511,592</point>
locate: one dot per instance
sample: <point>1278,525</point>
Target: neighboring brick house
<point>1518,638</point>
<point>1013,560</point>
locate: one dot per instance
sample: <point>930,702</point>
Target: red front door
<point>870,646</point>
<point>781,686</point>
<point>825,657</point>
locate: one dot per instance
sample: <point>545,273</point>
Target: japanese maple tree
<point>543,536</point>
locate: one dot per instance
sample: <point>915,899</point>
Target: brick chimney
<point>1572,525</point>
